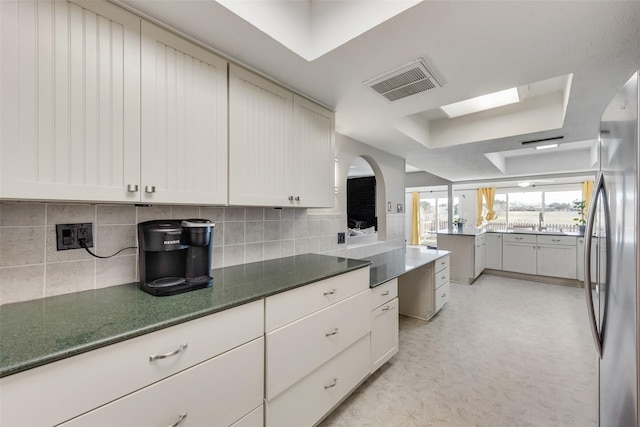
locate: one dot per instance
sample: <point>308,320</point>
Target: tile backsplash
<point>31,267</point>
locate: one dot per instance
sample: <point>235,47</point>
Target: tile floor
<point>502,352</point>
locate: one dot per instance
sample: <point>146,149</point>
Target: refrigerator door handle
<point>588,233</point>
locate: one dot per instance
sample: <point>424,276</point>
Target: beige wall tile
<point>272,250</point>
<point>148,213</point>
<point>254,231</point>
<point>234,214</point>
<point>70,213</point>
<point>302,246</point>
<point>287,230</point>
<point>116,214</point>
<point>115,271</point>
<point>271,230</point>
<point>272,214</point>
<point>21,246</point>
<point>67,277</point>
<point>21,283</point>
<point>110,239</point>
<point>185,212</point>
<point>288,214</point>
<point>233,255</point>
<point>22,214</point>
<point>214,214</point>
<point>254,214</point>
<point>233,233</point>
<point>288,248</point>
<point>253,252</point>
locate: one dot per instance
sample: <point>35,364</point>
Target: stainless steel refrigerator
<point>613,297</point>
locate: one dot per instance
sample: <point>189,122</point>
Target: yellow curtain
<point>490,198</point>
<point>415,220</point>
<point>480,218</point>
<point>587,191</point>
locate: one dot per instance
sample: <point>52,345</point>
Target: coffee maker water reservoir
<point>175,255</point>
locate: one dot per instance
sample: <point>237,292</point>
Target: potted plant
<point>580,207</point>
<point>459,222</point>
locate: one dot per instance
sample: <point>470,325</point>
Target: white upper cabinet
<point>314,151</point>
<point>70,84</point>
<point>184,121</point>
<point>281,146</point>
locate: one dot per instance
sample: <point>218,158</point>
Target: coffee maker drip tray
<point>175,285</point>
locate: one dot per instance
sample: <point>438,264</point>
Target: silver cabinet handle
<point>442,263</point>
<point>555,240</point>
<point>180,419</point>
<point>297,198</point>
<point>385,293</point>
<point>333,384</point>
<point>518,238</point>
<point>386,308</point>
<point>291,198</point>
<point>132,188</point>
<point>444,295</point>
<point>443,277</point>
<point>178,350</point>
<point>598,187</point>
<point>150,189</point>
<point>331,292</point>
<point>334,332</point>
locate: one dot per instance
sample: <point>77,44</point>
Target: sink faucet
<point>541,222</point>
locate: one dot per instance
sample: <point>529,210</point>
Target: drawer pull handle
<point>444,295</point>
<point>331,292</point>
<point>385,293</point>
<point>518,238</point>
<point>180,419</point>
<point>443,277</point>
<point>334,332</point>
<point>132,188</point>
<point>386,308</point>
<point>178,350</point>
<point>291,198</point>
<point>150,189</point>
<point>333,384</point>
<point>555,240</point>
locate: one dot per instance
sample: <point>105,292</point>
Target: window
<point>434,213</point>
<point>524,209</point>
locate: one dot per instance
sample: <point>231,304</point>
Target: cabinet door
<point>260,154</point>
<point>494,251</point>
<point>384,333</point>
<point>479,256</point>
<point>70,85</point>
<point>557,261</point>
<point>313,154</point>
<point>184,121</point>
<point>519,257</point>
<point>215,393</point>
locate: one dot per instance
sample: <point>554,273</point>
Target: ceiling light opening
<point>481,103</point>
<point>524,184</point>
<point>546,147</point>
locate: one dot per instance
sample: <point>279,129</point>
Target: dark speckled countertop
<point>42,331</point>
<point>389,265</point>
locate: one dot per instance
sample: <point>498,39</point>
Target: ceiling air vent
<point>407,80</point>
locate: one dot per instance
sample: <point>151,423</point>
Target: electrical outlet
<point>68,236</point>
<point>341,238</point>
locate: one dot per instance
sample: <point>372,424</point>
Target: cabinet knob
<point>297,198</point>
<point>331,292</point>
<point>180,419</point>
<point>386,308</point>
<point>150,189</point>
<point>132,188</point>
<point>385,293</point>
<point>444,295</point>
<point>291,198</point>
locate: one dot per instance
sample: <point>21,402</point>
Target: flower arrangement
<point>459,221</point>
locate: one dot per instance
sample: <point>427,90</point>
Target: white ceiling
<point>472,47</point>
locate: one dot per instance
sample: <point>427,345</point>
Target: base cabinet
<point>493,256</point>
<point>384,323</point>
<point>216,393</point>
<point>418,289</point>
<point>467,255</point>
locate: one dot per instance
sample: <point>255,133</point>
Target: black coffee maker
<point>175,255</point>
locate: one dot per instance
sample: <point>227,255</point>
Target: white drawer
<point>297,349</point>
<point>557,240</point>
<point>254,419</point>
<point>441,277</point>
<point>441,263</point>
<point>442,295</point>
<point>519,238</point>
<point>384,293</point>
<point>306,402</point>
<point>80,383</point>
<point>289,306</point>
<point>215,393</point>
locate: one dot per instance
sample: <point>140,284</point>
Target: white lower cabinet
<point>307,401</point>
<point>423,291</point>
<point>217,392</point>
<point>493,255</point>
<point>384,323</point>
<point>519,253</point>
<point>557,256</point>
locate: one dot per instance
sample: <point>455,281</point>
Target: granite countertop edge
<point>19,364</point>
